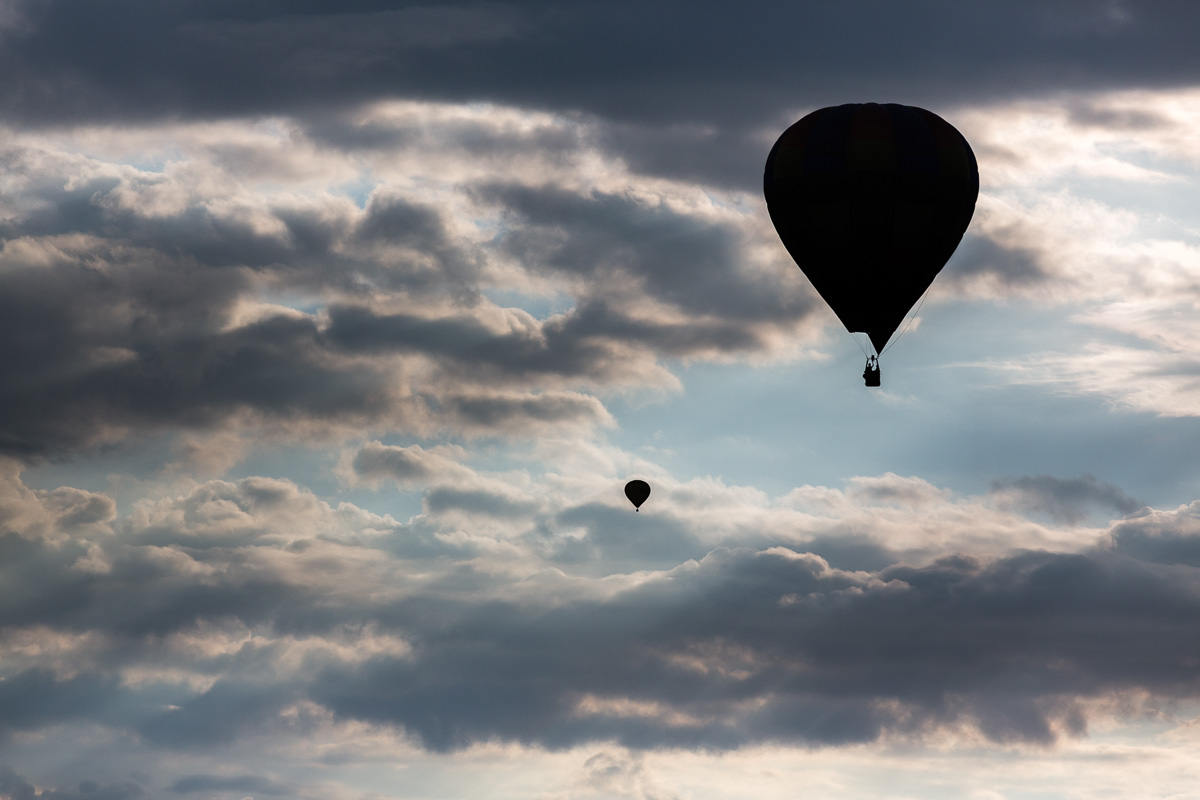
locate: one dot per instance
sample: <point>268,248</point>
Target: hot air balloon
<point>870,200</point>
<point>637,492</point>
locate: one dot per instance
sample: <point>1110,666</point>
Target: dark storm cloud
<point>1066,500</point>
<point>670,88</point>
<point>302,55</point>
<point>658,61</point>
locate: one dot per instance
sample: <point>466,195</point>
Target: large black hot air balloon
<point>637,492</point>
<point>870,200</point>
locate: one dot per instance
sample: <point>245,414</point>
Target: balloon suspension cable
<point>858,337</point>
<point>915,312</point>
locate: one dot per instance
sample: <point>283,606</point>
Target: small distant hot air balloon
<point>871,200</point>
<point>637,492</point>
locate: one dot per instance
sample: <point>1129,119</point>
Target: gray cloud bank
<point>683,88</point>
<point>712,62</point>
<point>153,300</point>
<point>353,620</point>
<point>124,297</point>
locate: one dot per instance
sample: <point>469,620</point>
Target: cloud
<point>253,784</point>
<point>1161,537</point>
<point>108,362</point>
<point>891,489</point>
<point>677,258</point>
<point>614,541</point>
<point>521,55</point>
<point>982,260</point>
<point>248,611</point>
<point>620,774</point>
<point>510,348</point>
<point>406,465</point>
<point>1065,500</point>
<point>229,710</point>
<point>213,290</point>
<point>1082,208</point>
<point>16,787</point>
<point>449,486</point>
<point>524,413</point>
<point>1081,202</point>
<point>1158,381</point>
<point>35,698</point>
<point>862,656</point>
<point>56,515</point>
<point>443,499</point>
<point>245,783</point>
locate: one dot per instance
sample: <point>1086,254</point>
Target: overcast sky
<point>331,332</point>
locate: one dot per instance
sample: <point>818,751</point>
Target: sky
<point>331,332</point>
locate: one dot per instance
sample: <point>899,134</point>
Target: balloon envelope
<point>637,492</point>
<point>870,200</point>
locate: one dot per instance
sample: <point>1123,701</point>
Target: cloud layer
<point>249,611</point>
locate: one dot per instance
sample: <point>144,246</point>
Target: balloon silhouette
<point>637,492</point>
<point>870,201</point>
